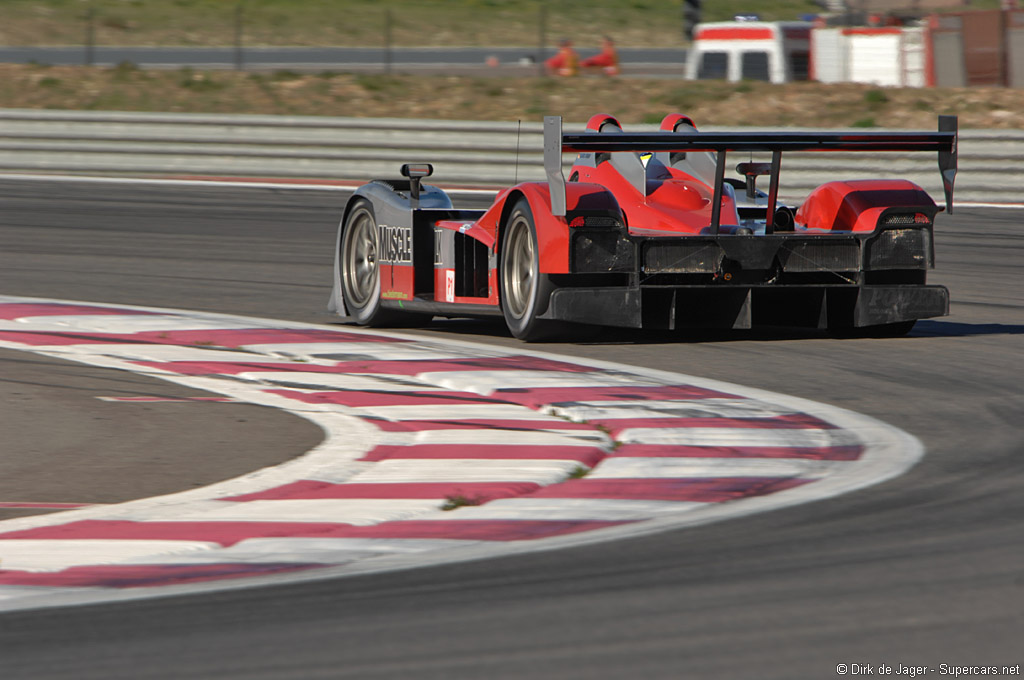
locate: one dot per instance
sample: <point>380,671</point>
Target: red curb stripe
<point>21,310</point>
<point>310,489</point>
<point>476,424</point>
<point>367,398</point>
<point>542,396</point>
<point>230,533</point>
<point>796,421</point>
<point>213,337</point>
<point>715,490</point>
<point>410,367</point>
<point>136,576</point>
<point>587,455</point>
<point>670,451</point>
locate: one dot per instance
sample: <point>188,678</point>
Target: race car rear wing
<point>944,142</point>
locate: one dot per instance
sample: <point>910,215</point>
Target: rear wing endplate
<point>943,142</point>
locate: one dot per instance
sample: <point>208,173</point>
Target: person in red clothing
<point>607,60</point>
<point>566,62</point>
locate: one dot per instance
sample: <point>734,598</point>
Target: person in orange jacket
<point>566,62</point>
<point>607,60</point>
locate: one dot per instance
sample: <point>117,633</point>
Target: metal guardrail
<point>462,152</point>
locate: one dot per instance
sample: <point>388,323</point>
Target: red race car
<point>649,233</point>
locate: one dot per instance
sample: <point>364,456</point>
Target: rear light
<point>594,221</point>
<point>900,249</point>
<point>904,218</point>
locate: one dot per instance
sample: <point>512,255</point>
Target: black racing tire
<point>360,272</point>
<point>523,291</point>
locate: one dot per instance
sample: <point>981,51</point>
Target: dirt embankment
<point>633,100</point>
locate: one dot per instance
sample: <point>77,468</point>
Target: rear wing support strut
<point>944,142</point>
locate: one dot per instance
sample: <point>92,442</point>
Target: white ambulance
<point>773,51</point>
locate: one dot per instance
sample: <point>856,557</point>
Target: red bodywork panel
<point>855,205</point>
<point>675,203</point>
<point>552,230</point>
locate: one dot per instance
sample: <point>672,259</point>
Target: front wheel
<point>524,290</point>
<point>360,272</point>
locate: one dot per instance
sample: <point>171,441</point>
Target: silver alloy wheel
<point>520,271</point>
<point>359,259</point>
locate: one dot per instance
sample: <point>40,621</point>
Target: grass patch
<point>285,75</point>
<point>579,472</point>
<point>868,122</point>
<point>124,71</point>
<point>528,98</point>
<point>199,81</point>
<point>441,23</point>
<point>875,98</point>
<point>456,501</point>
<point>377,83</point>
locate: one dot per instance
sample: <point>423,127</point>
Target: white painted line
<point>487,382</point>
<point>466,411</point>
<point>336,185</point>
<point>650,468</point>
<point>39,555</point>
<point>358,512</point>
<point>738,436</point>
<point>496,437</point>
<point>307,550</point>
<point>116,323</point>
<point>574,509</point>
<point>684,408</point>
<point>465,470</point>
<point>314,382</point>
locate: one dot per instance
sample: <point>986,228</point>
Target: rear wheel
<point>524,290</point>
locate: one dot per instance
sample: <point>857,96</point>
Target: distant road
<point>510,60</point>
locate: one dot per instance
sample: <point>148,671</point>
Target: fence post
<point>387,41</point>
<point>239,25</point>
<point>691,17</point>
<point>542,38</point>
<point>90,36</point>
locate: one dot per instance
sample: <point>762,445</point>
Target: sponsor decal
<point>449,285</point>
<point>392,295</point>
<point>438,258</point>
<point>395,244</point>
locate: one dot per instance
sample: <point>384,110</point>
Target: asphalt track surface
<point>926,569</point>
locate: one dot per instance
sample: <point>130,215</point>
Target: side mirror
<point>415,172</point>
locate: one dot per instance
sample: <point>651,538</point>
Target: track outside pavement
<point>923,569</point>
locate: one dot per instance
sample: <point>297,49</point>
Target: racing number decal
<point>395,244</point>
